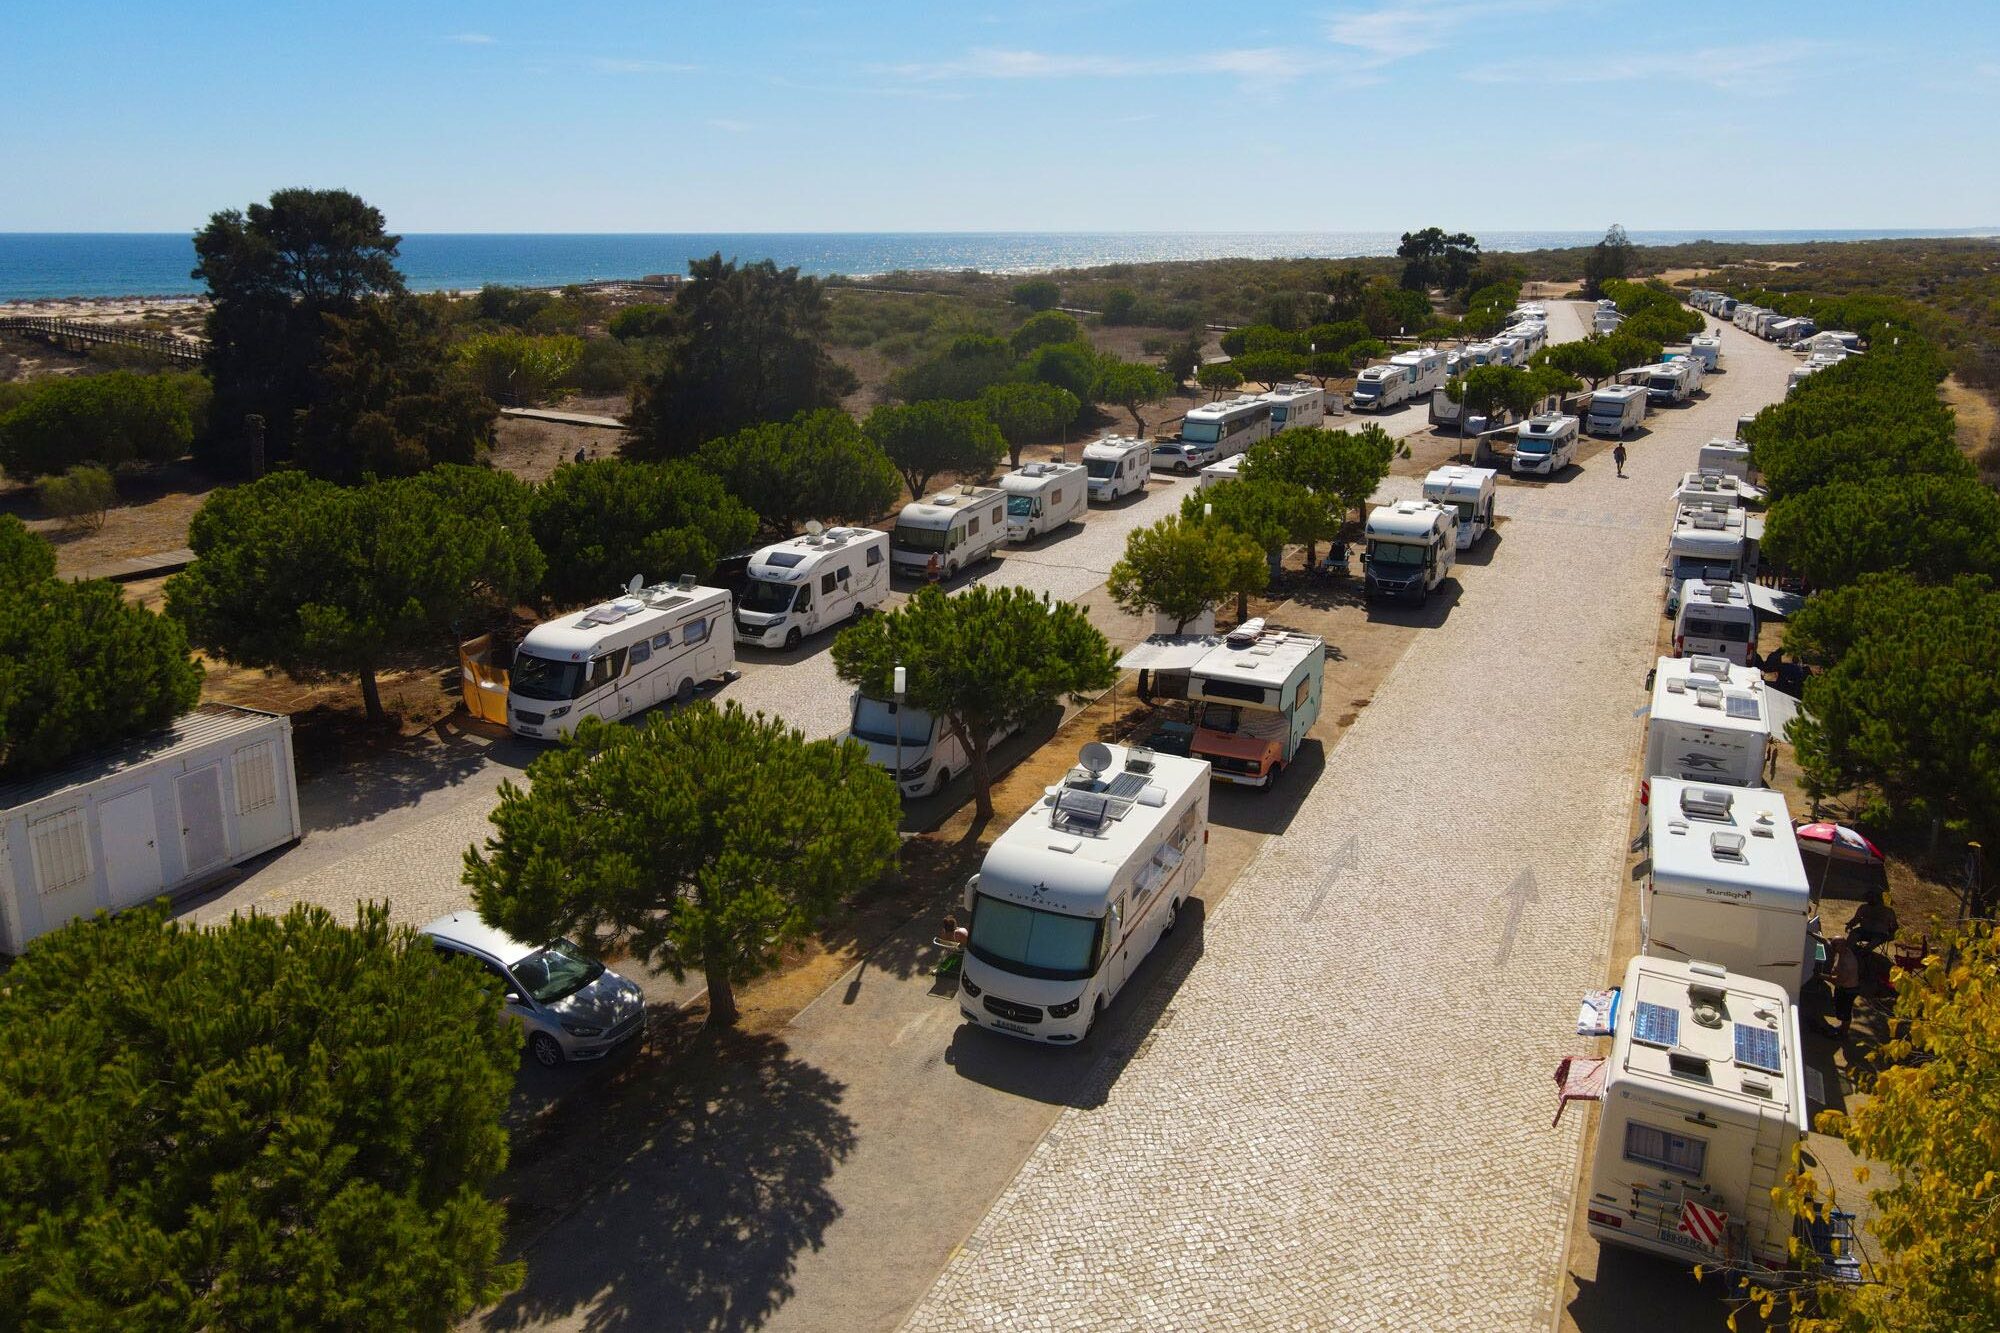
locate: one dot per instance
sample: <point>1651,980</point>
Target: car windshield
<point>557,972</point>
<point>1020,506</point>
<point>764,596</point>
<point>534,677</point>
<point>878,720</point>
<point>1201,432</point>
<point>1221,717</point>
<point>1031,942</point>
<point>1367,388</point>
<point>921,539</point>
<point>1395,553</point>
<point>1101,468</point>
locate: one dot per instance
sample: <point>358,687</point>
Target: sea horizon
<point>50,266</point>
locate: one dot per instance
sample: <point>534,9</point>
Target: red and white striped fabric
<point>1702,1225</point>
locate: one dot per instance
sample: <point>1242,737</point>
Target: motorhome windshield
<point>1395,553</point>
<point>1278,414</point>
<point>766,597</point>
<point>1104,469</point>
<point>1201,432</point>
<point>878,720</point>
<point>1033,943</point>
<point>1534,444</point>
<point>1020,506</point>
<point>1368,388</point>
<point>1664,380</point>
<point>1466,509</point>
<point>921,539</point>
<point>534,677</point>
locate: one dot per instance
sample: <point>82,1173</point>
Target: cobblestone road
<point>1342,1120</point>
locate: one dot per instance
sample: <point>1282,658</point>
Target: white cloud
<point>473,38</point>
<point>1724,68</point>
<point>1399,30</point>
<point>613,66</point>
<point>728,126</point>
<point>992,63</point>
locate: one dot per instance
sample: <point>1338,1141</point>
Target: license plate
<point>1011,1027</point>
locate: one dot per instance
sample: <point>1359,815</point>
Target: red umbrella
<point>1841,843</point>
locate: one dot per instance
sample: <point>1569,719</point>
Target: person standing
<point>1846,978</point>
<point>1618,456</point>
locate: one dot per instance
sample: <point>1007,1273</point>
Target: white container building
<point>158,816</point>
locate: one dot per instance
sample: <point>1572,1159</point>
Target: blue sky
<point>908,115</point>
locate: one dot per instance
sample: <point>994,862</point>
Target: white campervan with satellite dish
<point>1118,466</point>
<point>1704,1099</point>
<point>952,530</point>
<point>1042,497</point>
<point>1075,894</point>
<point>1709,722</point>
<point>621,656</point>
<point>1469,490</point>
<point>1545,445</point>
<point>1715,620</point>
<point>1616,409</point>
<point>1296,406</point>
<point>801,586</point>
<point>1411,547</point>
<point>1726,884</point>
<point>1714,545</point>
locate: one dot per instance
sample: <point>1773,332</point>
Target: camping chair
<point>954,955</point>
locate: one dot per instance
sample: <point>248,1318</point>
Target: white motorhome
<point>1470,491</point>
<point>1296,406</point>
<point>619,657</point>
<point>1214,431</point>
<point>1715,490</point>
<point>1412,545</point>
<point>1606,320</point>
<point>1229,469</point>
<point>1704,1099</point>
<point>1117,466</point>
<point>1714,545</point>
<point>1707,349</point>
<point>1528,311</point>
<point>930,753</point>
<point>1616,409</point>
<point>1745,316</point>
<point>809,583</point>
<point>1545,444</point>
<point>1708,722</point>
<point>1378,386</point>
<point>163,813</point>
<point>1075,894</point>
<point>1257,695</point>
<point>1424,367</point>
<point>1715,620</point>
<point>1729,457</point>
<point>1800,376</point>
<point>1727,885</point>
<point>956,528</point>
<point>1042,497</point>
<point>1495,353</point>
<point>1666,383</point>
<point>1725,308</point>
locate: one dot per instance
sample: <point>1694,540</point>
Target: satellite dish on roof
<point>634,583</point>
<point>814,527</point>
<point>1095,756</point>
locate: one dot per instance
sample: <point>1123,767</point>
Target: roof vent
<point>1707,518</point>
<point>1719,593</point>
<point>945,500</point>
<point>1246,633</point>
<point>1701,664</point>
<point>1711,803</point>
<point>1727,846</point>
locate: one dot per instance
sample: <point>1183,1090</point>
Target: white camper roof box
<point>1726,842</point>
<point>1254,655</point>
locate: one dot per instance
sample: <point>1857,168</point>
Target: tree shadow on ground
<point>361,778</point>
<point>1271,809</point>
<point>715,1150</point>
<point>1083,1076</point>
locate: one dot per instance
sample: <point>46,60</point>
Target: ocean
<point>45,266</point>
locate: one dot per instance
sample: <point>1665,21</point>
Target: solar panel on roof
<point>1757,1048</point>
<point>1126,786</point>
<point>1740,705</point>
<point>1656,1025</point>
<point>1083,809</point>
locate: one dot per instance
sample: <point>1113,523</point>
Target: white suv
<point>573,1007</point>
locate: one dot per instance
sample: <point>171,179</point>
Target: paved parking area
<point>1342,1121</point>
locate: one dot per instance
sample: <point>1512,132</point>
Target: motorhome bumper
<point>761,636</point>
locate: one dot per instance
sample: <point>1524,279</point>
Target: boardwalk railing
<point>76,333</point>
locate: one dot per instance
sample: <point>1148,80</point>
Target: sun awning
<point>1779,710</point>
<point>1168,652</point>
<point>1775,602</point>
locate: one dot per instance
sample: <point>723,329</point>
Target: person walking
<point>1618,456</point>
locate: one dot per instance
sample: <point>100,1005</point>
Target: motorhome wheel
<point>548,1052</point>
<point>792,638</point>
<point>1173,915</point>
<point>685,694</point>
<point>943,781</point>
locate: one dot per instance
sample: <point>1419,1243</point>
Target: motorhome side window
<point>641,653</point>
<point>661,641</point>
<point>1230,689</point>
<point>606,669</point>
<point>971,529</point>
<point>874,555</point>
<point>695,631</point>
<point>827,582</point>
<point>1666,1150</point>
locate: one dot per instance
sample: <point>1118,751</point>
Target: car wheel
<point>792,638</point>
<point>685,694</point>
<point>548,1052</point>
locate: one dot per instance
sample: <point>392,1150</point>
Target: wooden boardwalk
<point>84,334</point>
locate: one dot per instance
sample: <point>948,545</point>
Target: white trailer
<point>1380,386</point>
<point>930,753</point>
<point>1606,320</point>
<point>1296,406</point>
<point>1714,545</point>
<point>157,816</point>
<point>1716,620</point>
<point>1424,367</point>
<point>1616,409</point>
<point>1727,885</point>
<point>1117,466</point>
<point>1470,491</point>
<point>801,586</point>
<point>1708,723</point>
<point>1229,469</point>
<point>1704,1099</point>
<point>1545,445</point>
<point>1493,353</point>
<point>619,657</point>
<point>1707,349</point>
<point>955,529</point>
<point>1412,545</point>
<point>1215,431</point>
<point>1042,497</point>
<point>1075,894</point>
<point>1258,695</point>
<point>1715,490</point>
<point>1730,457</point>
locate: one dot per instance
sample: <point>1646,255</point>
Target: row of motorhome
<point>1222,429</point>
<point>1402,378</point>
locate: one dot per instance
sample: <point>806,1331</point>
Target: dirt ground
<point>531,449</point>
<point>1978,426</point>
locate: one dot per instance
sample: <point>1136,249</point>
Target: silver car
<point>573,1007</point>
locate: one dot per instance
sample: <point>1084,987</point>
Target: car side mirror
<point>971,891</point>
<point>513,997</point>
<point>1665,570</point>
